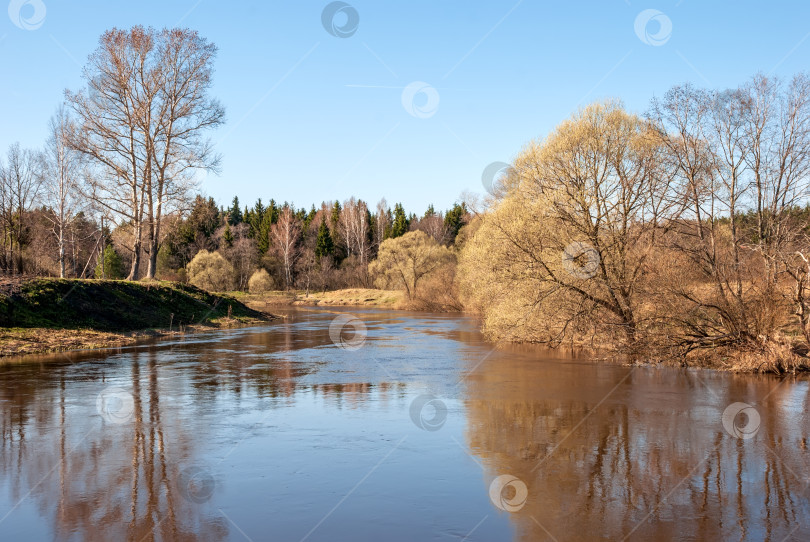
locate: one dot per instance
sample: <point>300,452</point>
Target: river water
<point>369,425</point>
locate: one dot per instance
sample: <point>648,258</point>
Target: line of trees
<point>51,226</point>
<point>673,234</point>
<point>325,247</point>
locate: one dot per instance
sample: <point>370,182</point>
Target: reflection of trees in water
<point>354,395</point>
<point>98,480</point>
<point>652,460</point>
<point>95,480</point>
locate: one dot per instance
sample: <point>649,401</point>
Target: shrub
<point>260,282</point>
<point>210,271</point>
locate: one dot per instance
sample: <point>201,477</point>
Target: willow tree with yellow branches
<point>565,250</point>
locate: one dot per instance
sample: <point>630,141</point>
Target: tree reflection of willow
<point>101,481</point>
<point>648,462</point>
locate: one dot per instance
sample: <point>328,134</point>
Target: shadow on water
<point>277,432</point>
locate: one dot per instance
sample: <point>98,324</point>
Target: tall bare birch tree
<point>141,120</point>
<point>285,237</point>
<point>61,184</point>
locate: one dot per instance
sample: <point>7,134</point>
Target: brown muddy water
<point>419,431</point>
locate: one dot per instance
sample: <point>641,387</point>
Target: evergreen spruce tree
<point>228,236</point>
<point>324,245</point>
<point>401,223</point>
<point>454,220</point>
<point>273,211</point>
<point>256,218</point>
<point>113,266</point>
<point>235,213</point>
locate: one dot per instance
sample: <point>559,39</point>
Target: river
<point>369,425</point>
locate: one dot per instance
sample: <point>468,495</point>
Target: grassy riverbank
<point>51,315</point>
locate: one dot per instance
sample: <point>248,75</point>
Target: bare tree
<point>742,159</point>
<point>382,223</point>
<point>285,236</point>
<point>20,182</point>
<point>141,120</point>
<point>183,113</point>
<point>355,228</point>
<point>62,175</point>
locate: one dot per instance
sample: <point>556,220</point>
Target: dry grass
<point>358,297</point>
<point>24,341</point>
<point>350,297</point>
<point>772,357</point>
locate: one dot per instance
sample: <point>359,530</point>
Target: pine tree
<point>113,266</point>
<point>235,213</point>
<point>454,220</point>
<point>310,217</point>
<point>401,223</point>
<point>256,218</point>
<point>273,211</point>
<point>228,236</point>
<point>324,245</point>
<point>337,242</point>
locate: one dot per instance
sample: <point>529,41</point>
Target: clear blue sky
<point>312,116</point>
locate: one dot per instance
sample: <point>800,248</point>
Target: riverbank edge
<point>20,342</point>
<point>42,316</point>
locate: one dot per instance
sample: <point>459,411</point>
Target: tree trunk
<point>136,261</point>
<point>61,253</point>
<point>151,268</point>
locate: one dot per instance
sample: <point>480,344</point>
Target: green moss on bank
<point>115,306</point>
